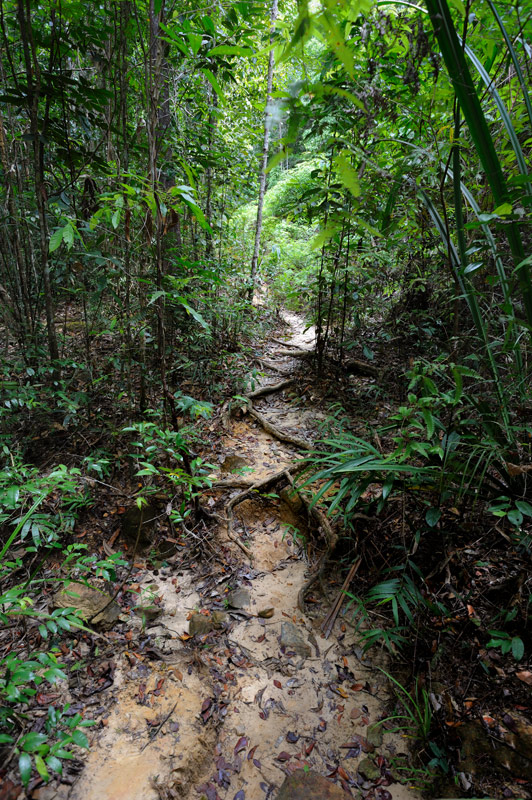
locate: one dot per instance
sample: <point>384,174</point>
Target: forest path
<point>258,692</point>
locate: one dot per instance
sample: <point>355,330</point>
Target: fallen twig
<point>328,623</point>
<point>156,731</point>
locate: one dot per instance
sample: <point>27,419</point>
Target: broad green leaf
<point>24,767</point>
<point>432,516</point>
<point>41,768</point>
<point>32,741</point>
<point>515,517</point>
<point>503,210</point>
<point>518,648</point>
<point>79,738</point>
<point>195,40</point>
<point>230,50</point>
<point>55,764</point>
<point>524,507</point>
<point>56,239</point>
<point>387,487</point>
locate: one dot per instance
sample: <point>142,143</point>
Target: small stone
<point>96,607</point>
<point>369,770</point>
<point>239,598</point>
<point>374,734</point>
<point>233,463</point>
<point>292,500</point>
<point>302,785</point>
<point>200,624</point>
<point>292,639</point>
<point>147,612</point>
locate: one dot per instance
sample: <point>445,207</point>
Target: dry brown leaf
<point>525,675</point>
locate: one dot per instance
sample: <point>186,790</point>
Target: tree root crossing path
<point>239,683</point>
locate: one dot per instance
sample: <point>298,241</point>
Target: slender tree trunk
<point>264,158</point>
<point>23,309</point>
<point>212,100</point>
<point>33,78</point>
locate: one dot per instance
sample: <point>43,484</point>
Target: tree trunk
<point>264,159</point>
<point>33,77</point>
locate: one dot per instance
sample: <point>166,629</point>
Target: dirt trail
<point>232,712</point>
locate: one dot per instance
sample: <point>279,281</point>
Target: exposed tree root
<point>287,472</point>
<point>354,365</point>
<point>284,344</point>
<point>360,368</point>
<point>270,365</point>
<point>232,483</point>
<point>274,387</point>
<point>296,353</point>
<point>273,430</point>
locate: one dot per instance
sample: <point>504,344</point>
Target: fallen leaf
<point>525,675</point>
<point>241,744</point>
<point>359,741</point>
<point>283,756</point>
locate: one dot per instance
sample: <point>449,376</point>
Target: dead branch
<point>354,365</point>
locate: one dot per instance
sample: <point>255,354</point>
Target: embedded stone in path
<point>96,607</point>
<point>303,785</point>
<point>201,624</point>
<point>239,598</point>
<point>292,639</point>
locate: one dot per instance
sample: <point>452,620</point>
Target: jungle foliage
<point>398,206</point>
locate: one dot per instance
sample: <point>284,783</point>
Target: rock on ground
<point>303,785</point>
